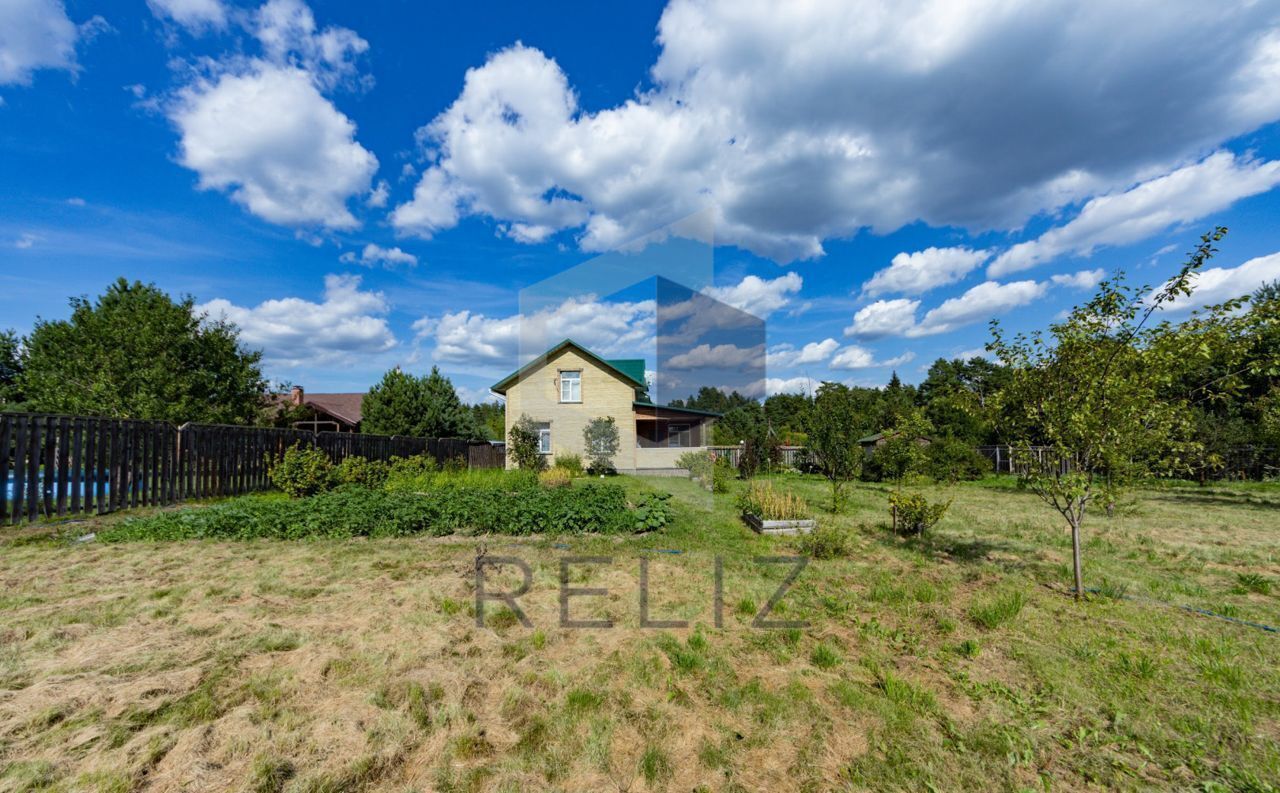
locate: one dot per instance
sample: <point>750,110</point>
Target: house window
<point>678,436</point>
<point>544,438</point>
<point>571,386</point>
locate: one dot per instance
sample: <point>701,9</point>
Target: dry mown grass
<point>954,661</point>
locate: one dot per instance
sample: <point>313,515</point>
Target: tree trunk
<point>1075,555</point>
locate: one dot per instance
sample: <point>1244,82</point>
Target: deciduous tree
<point>833,430</point>
<point>137,353</point>
<point>601,440</point>
<point>1110,393</point>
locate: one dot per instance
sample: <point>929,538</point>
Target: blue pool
<point>72,485</point>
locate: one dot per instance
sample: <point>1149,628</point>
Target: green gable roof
<point>631,367</point>
<point>502,385</point>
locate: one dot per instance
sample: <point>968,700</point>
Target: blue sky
<point>361,186</point>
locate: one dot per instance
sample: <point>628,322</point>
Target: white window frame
<point>673,434</point>
<point>544,440</point>
<point>568,383</point>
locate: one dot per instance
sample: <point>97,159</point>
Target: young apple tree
<point>1106,393</point>
<point>833,428</point>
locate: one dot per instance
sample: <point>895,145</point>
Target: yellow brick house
<point>568,386</point>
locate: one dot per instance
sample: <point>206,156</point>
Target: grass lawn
<point>955,662</point>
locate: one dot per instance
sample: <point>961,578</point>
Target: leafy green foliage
<point>422,407</point>
<point>826,542</point>
<point>954,460</point>
<point>955,396</point>
<point>523,445</point>
<point>601,440</point>
<point>302,471</point>
<point>698,464</point>
<point>913,513</point>
<point>1112,395</point>
<point>491,419</point>
<point>498,502</point>
<point>833,432</point>
<point>570,462</point>
<point>722,473</point>
<point>652,512</point>
<point>363,472</point>
<point>136,353</point>
<point>10,369</point>
<point>904,451</point>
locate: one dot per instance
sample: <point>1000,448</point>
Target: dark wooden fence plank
<point>50,478</point>
<point>77,462</point>
<point>63,463</point>
<point>19,466</point>
<point>34,453</point>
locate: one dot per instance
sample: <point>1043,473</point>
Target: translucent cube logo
<point>647,314</point>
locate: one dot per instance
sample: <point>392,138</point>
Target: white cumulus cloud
<point>917,273</point>
<point>263,130</point>
<point>1184,195</point>
<point>1082,279</point>
<point>276,144</point>
<point>982,302</point>
<point>606,328</point>
<point>758,296</point>
<point>346,327</point>
<point>35,34</point>
<point>194,15</point>
<point>373,255</point>
<point>784,356</point>
<point>884,318</point>
<point>1219,284</point>
<point>797,123</point>
<point>722,356</point>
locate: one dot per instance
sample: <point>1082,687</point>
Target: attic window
<point>571,386</point>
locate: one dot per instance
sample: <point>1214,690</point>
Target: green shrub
<point>455,465</point>
<point>601,439</point>
<point>570,462</point>
<point>699,465</point>
<point>722,473</point>
<point>825,542</point>
<point>497,503</point>
<point>363,472</point>
<point>651,512</point>
<point>523,445</point>
<point>952,460</point>
<point>410,466</point>
<point>302,471</point>
<point>913,513</point>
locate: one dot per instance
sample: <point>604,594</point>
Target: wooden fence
<point>792,456</point>
<point>54,465</point>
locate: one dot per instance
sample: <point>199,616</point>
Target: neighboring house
<point>323,412</point>
<point>568,386</point>
<point>872,442</point>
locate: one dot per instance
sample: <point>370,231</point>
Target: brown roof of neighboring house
<point>344,406</point>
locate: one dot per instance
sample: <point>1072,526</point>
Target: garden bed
<point>436,505</point>
<point>763,526</point>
